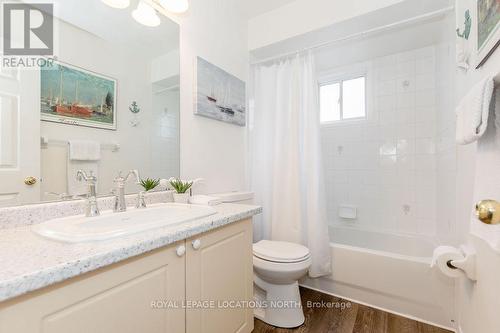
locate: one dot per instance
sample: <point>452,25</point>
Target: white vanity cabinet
<point>219,268</point>
<point>147,293</point>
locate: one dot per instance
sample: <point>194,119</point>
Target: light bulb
<point>146,15</point>
<point>175,6</point>
<point>117,3</point>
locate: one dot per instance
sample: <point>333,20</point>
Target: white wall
<point>213,150</point>
<point>303,16</point>
<point>477,302</point>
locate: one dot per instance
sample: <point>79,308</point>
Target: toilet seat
<point>280,252</point>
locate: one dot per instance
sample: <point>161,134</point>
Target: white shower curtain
<point>285,157</point>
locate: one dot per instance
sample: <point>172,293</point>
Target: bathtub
<point>389,272</point>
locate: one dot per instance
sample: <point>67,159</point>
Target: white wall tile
<point>425,129</point>
<point>386,88</point>
<point>405,56</point>
<point>405,69</point>
<point>425,146</point>
<point>389,165</point>
<point>425,81</point>
<point>405,84</point>
<point>425,114</point>
<point>425,65</point>
<point>405,100</point>
<point>425,98</point>
<point>426,52</point>
<point>386,73</point>
<point>386,103</point>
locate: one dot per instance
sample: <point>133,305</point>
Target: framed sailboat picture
<point>219,95</point>
<point>488,29</point>
<point>75,96</point>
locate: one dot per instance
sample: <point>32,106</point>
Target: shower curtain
<point>285,157</point>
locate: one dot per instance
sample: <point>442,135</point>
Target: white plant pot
<point>181,197</point>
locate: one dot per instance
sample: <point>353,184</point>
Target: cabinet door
<point>219,270</point>
<point>129,297</point>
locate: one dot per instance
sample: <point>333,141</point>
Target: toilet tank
<point>245,198</point>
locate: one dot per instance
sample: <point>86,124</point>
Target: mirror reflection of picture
<point>488,29</point>
<point>75,96</point>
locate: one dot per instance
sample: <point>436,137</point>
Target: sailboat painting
<point>219,95</point>
<point>75,96</point>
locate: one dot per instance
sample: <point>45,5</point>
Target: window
<point>342,100</point>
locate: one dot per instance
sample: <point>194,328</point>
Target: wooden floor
<point>355,319</point>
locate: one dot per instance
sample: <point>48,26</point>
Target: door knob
<point>181,249</point>
<point>196,244</point>
<point>488,211</point>
<point>30,181</point>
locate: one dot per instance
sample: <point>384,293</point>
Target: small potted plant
<point>181,188</point>
<point>147,184</point>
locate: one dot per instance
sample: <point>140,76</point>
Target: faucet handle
<point>82,175</point>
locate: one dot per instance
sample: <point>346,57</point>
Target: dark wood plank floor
<point>356,318</point>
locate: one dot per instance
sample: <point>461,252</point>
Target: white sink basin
<point>108,225</point>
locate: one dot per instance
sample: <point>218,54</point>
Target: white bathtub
<point>416,248</point>
<point>390,272</point>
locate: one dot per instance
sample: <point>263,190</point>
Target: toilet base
<point>282,304</point>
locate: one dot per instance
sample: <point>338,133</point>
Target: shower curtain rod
<point>416,19</point>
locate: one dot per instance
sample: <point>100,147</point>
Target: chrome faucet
<point>91,208</point>
<point>119,191</point>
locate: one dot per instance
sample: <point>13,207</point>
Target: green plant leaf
<point>148,184</point>
<point>180,186</point>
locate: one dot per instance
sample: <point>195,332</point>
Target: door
<point>19,136</point>
<point>219,280</point>
<point>144,294</point>
<point>478,301</point>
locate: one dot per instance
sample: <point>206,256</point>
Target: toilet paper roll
<point>443,255</point>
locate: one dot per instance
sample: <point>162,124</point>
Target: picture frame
<point>77,96</point>
<point>488,29</point>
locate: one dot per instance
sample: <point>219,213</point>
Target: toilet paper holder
<point>455,262</point>
<point>467,264</point>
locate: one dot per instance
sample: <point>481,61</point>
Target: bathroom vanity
<point>191,277</point>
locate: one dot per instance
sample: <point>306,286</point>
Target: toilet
<point>277,268</point>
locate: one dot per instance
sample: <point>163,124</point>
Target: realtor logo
<point>28,30</point>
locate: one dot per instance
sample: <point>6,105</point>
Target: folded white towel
<point>204,200</point>
<point>81,150</point>
<point>472,112</point>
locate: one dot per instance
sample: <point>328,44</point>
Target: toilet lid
<point>280,251</point>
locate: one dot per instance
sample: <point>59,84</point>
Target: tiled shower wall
<point>387,165</point>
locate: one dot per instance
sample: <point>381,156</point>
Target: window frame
<point>340,79</point>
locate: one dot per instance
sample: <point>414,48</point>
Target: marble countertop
<point>29,262</point>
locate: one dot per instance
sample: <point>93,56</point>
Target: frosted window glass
<point>353,95</point>
<point>330,102</point>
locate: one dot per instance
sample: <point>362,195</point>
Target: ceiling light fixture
<point>146,15</point>
<point>175,6</point>
<point>121,4</point>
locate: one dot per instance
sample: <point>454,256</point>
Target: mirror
<point>109,102</point>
